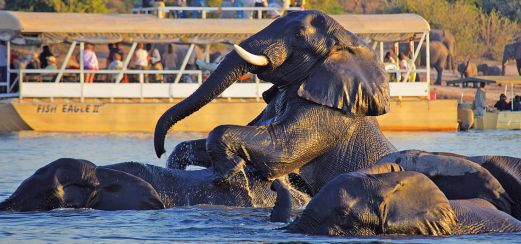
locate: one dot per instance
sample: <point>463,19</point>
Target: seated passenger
<point>517,103</point>
<point>502,104</point>
<point>116,64</point>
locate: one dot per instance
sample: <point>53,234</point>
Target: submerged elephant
<point>74,183</point>
<point>385,199</point>
<point>326,81</point>
<point>512,51</point>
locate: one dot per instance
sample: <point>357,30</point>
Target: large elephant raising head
<point>512,51</point>
<point>326,80</point>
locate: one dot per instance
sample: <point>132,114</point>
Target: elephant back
<point>360,146</point>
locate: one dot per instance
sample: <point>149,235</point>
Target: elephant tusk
<point>258,60</point>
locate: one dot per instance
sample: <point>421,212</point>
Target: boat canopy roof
<point>60,27</point>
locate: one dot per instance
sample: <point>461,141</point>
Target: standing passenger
<point>239,4</point>
<point>113,50</point>
<point>170,60</point>
<point>141,59</point>
<point>44,55</point>
<point>403,66</point>
<point>90,62</point>
<point>480,101</point>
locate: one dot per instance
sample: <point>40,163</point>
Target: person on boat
<point>517,103</point>
<point>225,14</point>
<point>113,50</point>
<point>90,62</point>
<point>51,65</point>
<point>502,104</point>
<point>46,52</point>
<point>117,65</point>
<point>155,62</point>
<point>480,101</point>
<point>403,66</point>
<point>141,58</point>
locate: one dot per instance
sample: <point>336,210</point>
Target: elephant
<point>512,51</point>
<point>317,122</point>
<point>438,58</point>
<point>468,69</point>
<point>76,183</point>
<point>489,70</point>
<point>389,200</point>
<point>496,179</point>
<point>447,38</point>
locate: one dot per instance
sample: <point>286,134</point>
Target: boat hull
<point>96,116</point>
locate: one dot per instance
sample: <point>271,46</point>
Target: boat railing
<point>202,12</point>
<point>111,88</point>
<point>31,85</point>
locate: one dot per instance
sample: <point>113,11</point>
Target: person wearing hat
<point>51,65</point>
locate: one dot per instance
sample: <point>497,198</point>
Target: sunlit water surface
<point>23,153</point>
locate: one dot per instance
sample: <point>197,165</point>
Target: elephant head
<point>511,51</point>
<point>333,67</point>
<point>75,183</point>
<point>370,204</point>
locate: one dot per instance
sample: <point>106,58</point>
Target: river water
<point>24,152</point>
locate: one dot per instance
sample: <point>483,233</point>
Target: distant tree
<point>121,6</point>
<point>327,6</point>
<point>77,6</point>
<point>508,8</point>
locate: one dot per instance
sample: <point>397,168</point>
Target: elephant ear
<point>118,190</point>
<point>405,209</point>
<point>352,80</point>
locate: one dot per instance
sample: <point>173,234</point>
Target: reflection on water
<point>23,153</point>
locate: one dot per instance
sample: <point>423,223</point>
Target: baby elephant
<point>468,69</point>
<point>489,70</point>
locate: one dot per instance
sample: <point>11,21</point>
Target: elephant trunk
<point>229,71</point>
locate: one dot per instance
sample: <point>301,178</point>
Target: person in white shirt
<point>116,64</point>
<point>155,62</point>
<point>141,58</point>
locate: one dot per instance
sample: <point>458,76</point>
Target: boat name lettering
<point>74,108</point>
<point>46,109</point>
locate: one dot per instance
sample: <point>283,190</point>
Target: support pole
<point>382,51</point>
<point>65,62</point>
<point>185,61</point>
<point>82,73</point>
<point>127,61</point>
<point>428,58</point>
<point>8,72</point>
<point>512,97</point>
<point>207,53</point>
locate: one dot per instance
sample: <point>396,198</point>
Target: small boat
<point>492,119</point>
